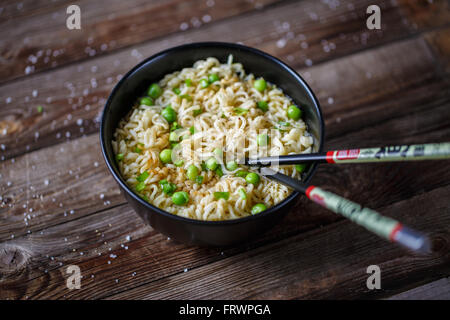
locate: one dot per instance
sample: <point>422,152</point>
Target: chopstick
<point>371,220</point>
<point>431,151</point>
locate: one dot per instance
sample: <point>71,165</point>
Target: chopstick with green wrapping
<point>431,151</point>
<point>385,227</point>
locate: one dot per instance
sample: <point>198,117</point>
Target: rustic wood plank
<point>60,172</point>
<point>72,97</point>
<point>382,185</point>
<point>436,290</point>
<point>39,41</point>
<point>328,263</point>
<point>428,124</point>
<point>11,9</point>
<point>117,252</point>
<point>423,14</point>
<point>384,82</point>
<point>65,196</point>
<point>439,41</point>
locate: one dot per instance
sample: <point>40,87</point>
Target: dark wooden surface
<point>59,205</point>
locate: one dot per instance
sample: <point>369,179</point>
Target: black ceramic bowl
<point>133,85</point>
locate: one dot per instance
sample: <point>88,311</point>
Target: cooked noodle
<point>144,133</point>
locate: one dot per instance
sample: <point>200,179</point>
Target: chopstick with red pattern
<point>431,151</point>
<point>385,227</point>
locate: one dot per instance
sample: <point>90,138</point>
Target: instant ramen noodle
<point>180,146</point>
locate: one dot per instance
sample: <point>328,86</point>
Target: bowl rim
<point>117,176</point>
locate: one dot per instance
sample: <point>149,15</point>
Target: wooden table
<point>60,206</point>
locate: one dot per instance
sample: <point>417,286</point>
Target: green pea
<point>219,171</point>
<point>180,198</point>
<point>119,156</point>
<point>213,77</point>
<point>179,163</point>
<point>294,112</point>
<point>147,101</point>
<point>186,96</point>
<point>242,194</point>
<point>188,82</point>
<point>259,207</point>
<point>154,91</point>
<point>252,178</point>
<point>143,176</point>
<point>204,83</point>
<point>192,172</point>
<point>169,114</point>
<point>173,136</point>
<point>262,139</point>
<point>240,111</point>
<point>169,188</point>
<point>176,90</point>
<point>260,84</point>
<point>231,165</point>
<point>263,105</point>
<point>219,154</point>
<point>301,167</point>
<point>140,186</point>
<point>175,126</point>
<point>166,156</point>
<point>241,173</point>
<point>199,179</point>
<point>221,195</point>
<point>211,163</point>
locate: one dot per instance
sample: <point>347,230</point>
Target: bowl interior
<point>136,81</point>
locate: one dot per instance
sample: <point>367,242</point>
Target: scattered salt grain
<point>206,18</point>
<point>281,43</point>
<point>184,26</point>
<point>29,69</point>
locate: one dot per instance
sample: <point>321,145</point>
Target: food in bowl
<point>179,146</point>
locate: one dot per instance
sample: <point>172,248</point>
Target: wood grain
<point>51,182</point>
<point>40,40</point>
<point>98,245</point>
<point>293,269</point>
<point>60,206</point>
<point>72,97</point>
<point>151,265</point>
<point>436,290</point>
<point>440,44</point>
